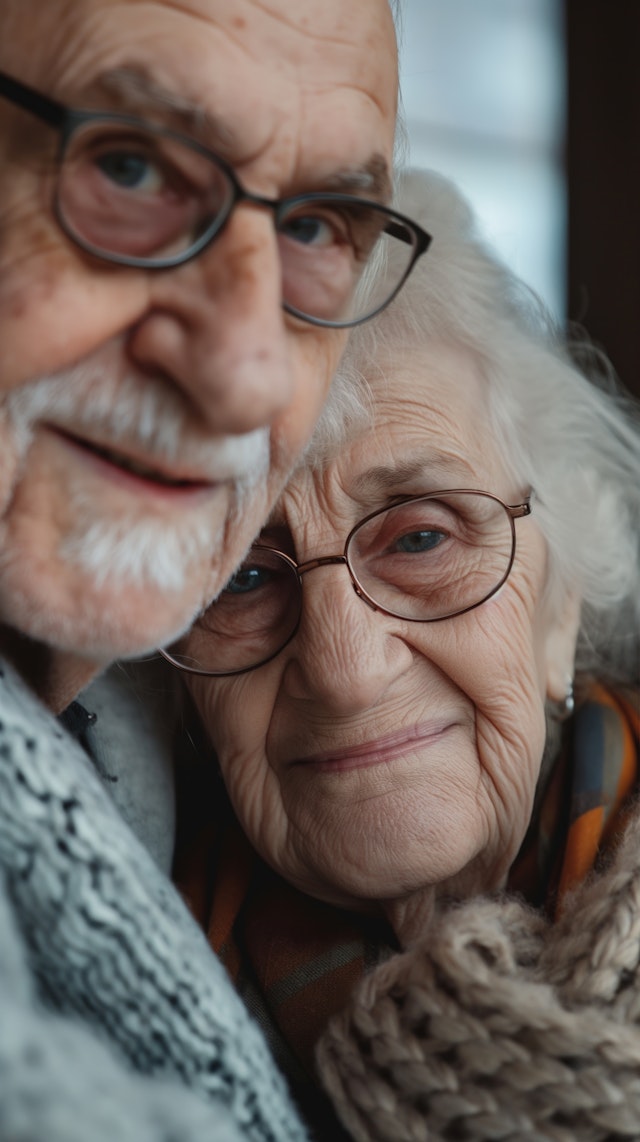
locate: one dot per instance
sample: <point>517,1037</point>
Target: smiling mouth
<point>130,465</point>
<point>378,752</point>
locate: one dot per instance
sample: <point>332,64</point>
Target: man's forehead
<point>330,20</point>
<point>326,26</point>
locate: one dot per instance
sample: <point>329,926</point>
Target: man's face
<point>149,419</point>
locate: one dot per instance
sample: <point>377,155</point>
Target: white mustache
<point>147,417</point>
<point>141,415</point>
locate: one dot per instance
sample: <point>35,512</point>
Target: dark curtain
<point>603,166</point>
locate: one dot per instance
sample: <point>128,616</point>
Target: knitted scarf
<point>297,961</point>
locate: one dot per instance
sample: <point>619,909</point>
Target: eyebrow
<point>373,179</point>
<point>436,466</point>
<point>133,88</point>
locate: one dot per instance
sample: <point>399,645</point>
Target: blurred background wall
<point>533,107</point>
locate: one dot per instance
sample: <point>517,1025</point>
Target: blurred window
<point>483,88</point>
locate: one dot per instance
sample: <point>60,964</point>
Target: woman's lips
<point>379,751</point>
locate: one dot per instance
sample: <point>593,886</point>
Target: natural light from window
<point>483,88</point>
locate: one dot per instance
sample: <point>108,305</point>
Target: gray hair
<point>561,420</point>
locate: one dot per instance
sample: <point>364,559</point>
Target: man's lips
<point>379,750</point>
<point>130,468</point>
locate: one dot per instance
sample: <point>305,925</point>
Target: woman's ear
<point>560,648</point>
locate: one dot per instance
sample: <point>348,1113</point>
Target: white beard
<point>137,552</point>
<point>149,415</point>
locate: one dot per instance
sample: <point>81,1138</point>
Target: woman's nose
<point>345,655</point>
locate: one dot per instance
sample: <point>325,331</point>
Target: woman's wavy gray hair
<point>561,421</point>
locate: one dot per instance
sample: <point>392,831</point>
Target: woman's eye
<point>416,541</point>
<point>131,171</point>
<point>248,579</point>
<point>309,230</point>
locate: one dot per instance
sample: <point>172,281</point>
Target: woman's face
<point>376,757</point>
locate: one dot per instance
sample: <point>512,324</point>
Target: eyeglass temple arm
<point>49,110</point>
<point>397,230</point>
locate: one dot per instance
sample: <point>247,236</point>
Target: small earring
<point>565,708</point>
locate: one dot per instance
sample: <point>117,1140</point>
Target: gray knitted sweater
<point>116,1021</point>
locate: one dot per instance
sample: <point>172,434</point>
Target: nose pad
<point>365,599</point>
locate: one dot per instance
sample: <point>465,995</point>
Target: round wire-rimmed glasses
<point>424,559</point>
<point>141,195</point>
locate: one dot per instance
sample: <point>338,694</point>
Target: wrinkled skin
<point>297,96</point>
<point>444,813</point>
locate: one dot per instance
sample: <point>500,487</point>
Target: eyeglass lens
<point>133,193</point>
<point>252,619</point>
<point>148,197</point>
<point>423,560</point>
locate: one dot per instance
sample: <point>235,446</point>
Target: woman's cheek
<point>510,721</point>
<point>231,734</point>
<point>238,717</point>
<point>232,714</point>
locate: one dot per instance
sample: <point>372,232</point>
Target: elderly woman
<point>421,690</point>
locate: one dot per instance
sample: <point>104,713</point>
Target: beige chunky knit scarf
<point>500,1024</point>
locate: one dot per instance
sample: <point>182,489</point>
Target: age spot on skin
<point>18,306</point>
<point>23,299</point>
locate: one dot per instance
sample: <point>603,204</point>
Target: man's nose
<point>345,656</point>
<point>216,327</point>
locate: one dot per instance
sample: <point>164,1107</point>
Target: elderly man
<point>182,231</point>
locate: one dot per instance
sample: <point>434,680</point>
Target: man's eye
<point>416,541</point>
<point>131,171</point>
<point>248,579</point>
<point>309,230</point>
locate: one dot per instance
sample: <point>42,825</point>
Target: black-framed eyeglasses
<point>425,559</point>
<point>137,194</point>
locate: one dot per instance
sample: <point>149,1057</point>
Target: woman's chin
<point>380,884</point>
<point>389,847</point>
